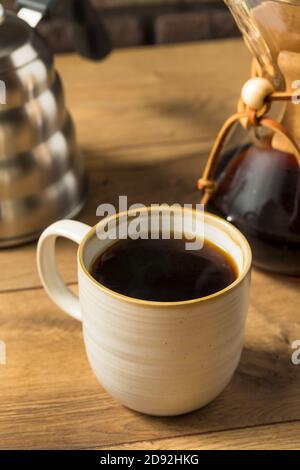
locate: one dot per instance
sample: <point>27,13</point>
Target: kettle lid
<point>20,44</point>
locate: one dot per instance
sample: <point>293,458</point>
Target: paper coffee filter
<point>279,24</point>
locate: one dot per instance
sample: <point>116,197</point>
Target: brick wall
<point>137,22</point>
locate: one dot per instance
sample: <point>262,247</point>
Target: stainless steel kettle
<point>42,177</point>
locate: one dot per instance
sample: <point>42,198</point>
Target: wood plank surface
<point>145,121</point>
<point>275,437</point>
<point>50,398</point>
<point>178,93</point>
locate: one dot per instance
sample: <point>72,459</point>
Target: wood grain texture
<point>275,437</point>
<point>145,121</point>
<point>50,398</point>
<point>176,94</point>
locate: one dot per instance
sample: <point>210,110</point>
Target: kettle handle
<point>90,37</point>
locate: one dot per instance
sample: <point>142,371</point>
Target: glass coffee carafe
<point>258,175</point>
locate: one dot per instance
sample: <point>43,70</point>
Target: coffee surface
<point>163,270</point>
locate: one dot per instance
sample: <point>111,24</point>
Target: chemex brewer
<point>254,180</point>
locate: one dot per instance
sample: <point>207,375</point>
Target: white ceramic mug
<point>157,358</point>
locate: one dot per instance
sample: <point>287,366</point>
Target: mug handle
<point>51,280</point>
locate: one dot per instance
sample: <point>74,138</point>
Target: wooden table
<point>146,119</point>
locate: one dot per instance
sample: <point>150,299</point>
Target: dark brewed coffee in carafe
<point>259,192</point>
<point>258,184</point>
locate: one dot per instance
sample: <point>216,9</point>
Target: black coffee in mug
<point>164,270</point>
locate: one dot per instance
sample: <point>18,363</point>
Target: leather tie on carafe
<point>252,116</point>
